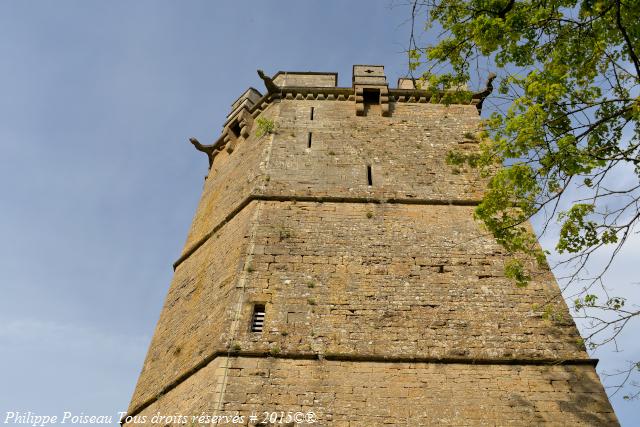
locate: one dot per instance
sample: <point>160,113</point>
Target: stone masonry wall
<point>352,280</point>
<point>305,79</point>
<point>394,280</point>
<point>406,152</point>
<point>360,278</point>
<point>350,394</point>
<point>233,177</point>
<point>198,310</point>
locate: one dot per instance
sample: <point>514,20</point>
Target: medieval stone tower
<point>334,268</point>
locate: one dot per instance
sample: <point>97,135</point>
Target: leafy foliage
<point>264,126</point>
<point>569,85</point>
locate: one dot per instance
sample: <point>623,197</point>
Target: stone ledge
<point>318,199</point>
<point>359,358</point>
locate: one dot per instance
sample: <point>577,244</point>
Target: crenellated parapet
<point>369,92</point>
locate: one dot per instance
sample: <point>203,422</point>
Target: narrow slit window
<point>257,319</point>
<point>309,140</point>
<point>311,115</point>
<point>369,175</point>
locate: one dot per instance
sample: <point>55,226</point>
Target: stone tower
<point>334,267</point>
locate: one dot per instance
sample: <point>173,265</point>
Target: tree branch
<point>632,54</point>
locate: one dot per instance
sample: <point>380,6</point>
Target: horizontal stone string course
<point>347,358</point>
<point>325,199</point>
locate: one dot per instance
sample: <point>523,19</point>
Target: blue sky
<point>98,183</point>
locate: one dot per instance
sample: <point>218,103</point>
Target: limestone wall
<point>394,280</point>
<point>198,311</point>
<point>289,78</point>
<point>406,151</point>
<point>232,178</point>
<point>360,241</point>
<point>350,394</point>
<point>406,154</point>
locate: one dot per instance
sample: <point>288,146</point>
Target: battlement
<point>369,94</point>
<point>305,79</point>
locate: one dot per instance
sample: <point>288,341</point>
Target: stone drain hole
<point>369,175</point>
<point>257,319</point>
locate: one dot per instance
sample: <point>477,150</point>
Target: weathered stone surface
<point>406,153</point>
<point>407,394</point>
<point>394,280</point>
<point>310,79</point>
<point>198,310</point>
<point>231,179</point>
<point>386,303</point>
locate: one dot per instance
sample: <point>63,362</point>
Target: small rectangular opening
<point>235,129</point>
<point>311,115</point>
<point>257,319</point>
<point>309,141</point>
<point>369,175</point>
<point>371,96</point>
